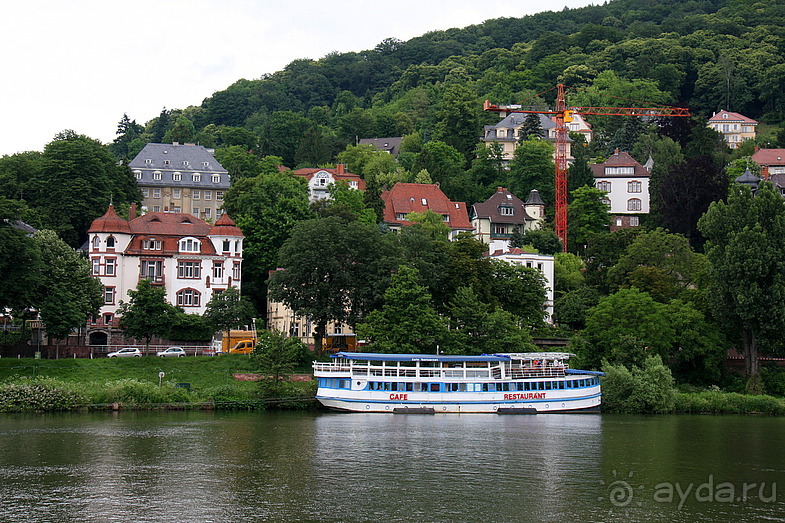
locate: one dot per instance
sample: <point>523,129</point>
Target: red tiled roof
<point>732,117</point>
<point>404,198</point>
<point>110,222</point>
<point>225,226</point>
<point>766,157</point>
<point>169,223</point>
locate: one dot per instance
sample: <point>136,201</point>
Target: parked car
<point>128,352</point>
<point>171,352</point>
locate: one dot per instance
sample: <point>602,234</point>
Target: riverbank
<point>28,385</point>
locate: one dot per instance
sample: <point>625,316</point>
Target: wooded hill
<point>707,55</point>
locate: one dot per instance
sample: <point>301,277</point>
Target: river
<point>224,466</point>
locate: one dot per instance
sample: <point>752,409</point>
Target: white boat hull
<point>493,403</point>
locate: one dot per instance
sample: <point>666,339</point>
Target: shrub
<point>38,395</point>
<point>716,402</point>
<point>639,390</point>
<point>136,392</point>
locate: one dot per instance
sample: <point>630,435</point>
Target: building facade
<point>771,161</point>
<point>405,198</point>
<point>495,219</point>
<point>734,127</point>
<point>320,180</point>
<point>181,178</point>
<point>189,257</point>
<point>626,184</point>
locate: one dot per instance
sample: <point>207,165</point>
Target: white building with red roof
<point>319,180</point>
<point>734,127</point>
<point>771,161</point>
<point>189,257</point>
<point>406,198</point>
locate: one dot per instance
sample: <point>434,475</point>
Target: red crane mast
<point>562,115</point>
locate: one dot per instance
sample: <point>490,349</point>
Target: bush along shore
<point>649,389</point>
<point>226,382</point>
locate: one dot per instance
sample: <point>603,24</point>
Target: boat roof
<point>373,356</point>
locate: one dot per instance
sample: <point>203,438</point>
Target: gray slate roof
<point>185,159</point>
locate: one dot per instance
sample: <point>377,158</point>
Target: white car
<point>128,352</point>
<point>171,352</point>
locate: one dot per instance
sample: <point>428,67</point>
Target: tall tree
<point>68,293</point>
<point>333,270</point>
<point>588,215</point>
<point>228,310</point>
<point>745,245</point>
<point>407,321</point>
<point>532,168</point>
<point>20,261</point>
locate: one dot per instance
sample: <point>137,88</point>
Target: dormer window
<point>196,177</point>
<point>157,175</point>
<point>424,201</point>
<point>148,161</point>
<point>176,177</point>
<point>725,116</point>
<point>506,211</point>
<point>167,162</point>
<point>216,178</point>
<point>205,164</point>
<point>185,163</point>
<point>151,244</point>
<point>138,175</point>
<point>190,245</point>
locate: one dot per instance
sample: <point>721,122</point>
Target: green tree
<point>531,128</point>
<point>20,261</point>
<point>477,327</point>
<point>347,203</point>
<point>182,132</point>
<point>519,291</point>
<point>407,321</point>
<point>85,177</point>
<point>333,270</point>
<point>228,310</point>
<point>532,168</point>
<point>443,162</point>
<point>587,216</point>
<point>68,293</point>
<point>745,246</point>
<point>626,326</point>
<point>567,272</point>
<point>238,161</point>
<point>275,357</point>
<point>544,241</point>
<point>644,389</point>
<point>266,208</point>
<point>147,313</point>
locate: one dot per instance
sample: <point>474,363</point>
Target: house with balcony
<point>406,198</point>
<point>626,186</point>
<point>507,132</point>
<point>180,178</point>
<point>496,218</point>
<point>185,255</point>
<point>320,180</point>
<point>734,127</point>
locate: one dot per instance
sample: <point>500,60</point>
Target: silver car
<point>171,352</point>
<point>128,352</point>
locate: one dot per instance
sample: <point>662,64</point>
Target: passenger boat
<point>520,383</point>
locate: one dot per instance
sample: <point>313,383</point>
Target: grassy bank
<point>195,382</point>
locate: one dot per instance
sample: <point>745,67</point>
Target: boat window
<point>434,387</point>
<point>421,387</point>
<point>547,385</point>
<point>462,387</point>
<point>409,387</point>
<point>561,384</point>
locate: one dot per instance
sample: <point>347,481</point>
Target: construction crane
<point>563,116</point>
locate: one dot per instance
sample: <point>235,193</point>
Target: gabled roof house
<point>405,198</point>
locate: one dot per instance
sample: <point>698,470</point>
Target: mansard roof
<point>177,157</point>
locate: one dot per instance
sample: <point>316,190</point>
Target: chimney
<point>616,152</point>
<point>339,168</point>
<point>500,189</point>
<point>132,212</point>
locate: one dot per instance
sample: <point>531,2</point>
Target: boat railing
<point>331,367</point>
<point>515,372</point>
<point>536,372</point>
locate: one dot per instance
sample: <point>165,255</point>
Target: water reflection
<point>197,466</point>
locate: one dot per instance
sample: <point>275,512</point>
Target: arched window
<point>190,245</point>
<point>96,242</point>
<point>110,242</point>
<point>188,298</point>
<point>633,204</point>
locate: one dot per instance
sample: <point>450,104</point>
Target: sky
<point>81,64</point>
